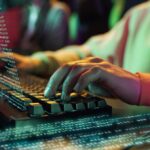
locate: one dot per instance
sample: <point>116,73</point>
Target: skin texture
<point>99,76</point>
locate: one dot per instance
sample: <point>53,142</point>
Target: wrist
<point>47,64</point>
<point>144,98</point>
<point>40,62</point>
<point>138,89</point>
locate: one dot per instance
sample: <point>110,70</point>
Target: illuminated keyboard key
<point>53,107</point>
<point>26,101</point>
<point>68,107</point>
<point>74,95</point>
<point>39,97</point>
<point>58,95</point>
<point>91,105</point>
<point>34,94</point>
<point>44,99</point>
<point>80,106</point>
<point>101,103</point>
<point>35,109</point>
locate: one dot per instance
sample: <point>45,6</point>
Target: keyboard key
<point>58,95</point>
<point>53,107</point>
<point>26,101</point>
<point>35,109</point>
<point>91,105</point>
<point>68,107</point>
<point>44,99</point>
<point>101,103</point>
<point>80,106</point>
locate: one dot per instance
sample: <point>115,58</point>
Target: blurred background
<point>38,25</point>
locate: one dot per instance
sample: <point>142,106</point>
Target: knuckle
<point>76,67</point>
<point>95,59</point>
<point>104,63</point>
<point>66,66</point>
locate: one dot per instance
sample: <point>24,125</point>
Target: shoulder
<point>140,8</point>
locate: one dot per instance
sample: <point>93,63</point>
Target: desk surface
<point>120,108</point>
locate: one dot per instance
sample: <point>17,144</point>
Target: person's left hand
<point>25,63</point>
<point>101,77</point>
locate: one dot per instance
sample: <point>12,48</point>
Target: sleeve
<point>144,98</point>
<point>107,45</point>
<point>103,46</point>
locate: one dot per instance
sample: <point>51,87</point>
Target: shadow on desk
<point>119,108</point>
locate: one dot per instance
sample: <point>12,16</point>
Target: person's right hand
<point>101,77</point>
<point>25,63</point>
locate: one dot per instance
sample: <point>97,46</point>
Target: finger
<point>71,80</point>
<point>88,77</point>
<point>55,80</point>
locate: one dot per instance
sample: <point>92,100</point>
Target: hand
<point>101,77</point>
<point>24,63</point>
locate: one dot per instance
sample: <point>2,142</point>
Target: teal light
<point>73,26</point>
<point>116,12</point>
<point>34,10</point>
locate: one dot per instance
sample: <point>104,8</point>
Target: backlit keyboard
<point>30,98</point>
<point>89,125</point>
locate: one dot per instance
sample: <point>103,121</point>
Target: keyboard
<point>30,99</point>
<point>83,123</point>
<point>90,133</point>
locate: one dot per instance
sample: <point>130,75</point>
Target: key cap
<point>53,107</point>
<point>35,109</point>
<point>26,101</point>
<point>101,103</point>
<point>80,106</point>
<point>68,107</point>
<point>58,95</point>
<point>91,105</point>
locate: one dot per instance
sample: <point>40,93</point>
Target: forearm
<point>52,60</point>
<point>103,46</point>
<point>70,53</point>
